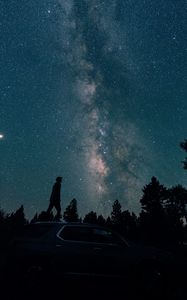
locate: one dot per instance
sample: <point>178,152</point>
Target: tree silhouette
<point>17,220</point>
<point>4,229</point>
<point>2,216</point>
<point>45,217</point>
<point>70,213</point>
<point>116,213</point>
<point>177,200</point>
<point>129,222</point>
<point>91,218</point>
<point>153,217</point>
<point>34,219</point>
<point>184,147</point>
<point>101,220</point>
<point>154,195</point>
<point>108,222</point>
<point>176,210</point>
<point>117,217</point>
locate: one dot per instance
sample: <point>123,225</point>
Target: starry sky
<point>94,91</point>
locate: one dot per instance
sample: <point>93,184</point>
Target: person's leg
<point>58,209</point>
<point>50,208</point>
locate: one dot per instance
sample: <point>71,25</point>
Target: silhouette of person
<point>55,198</point>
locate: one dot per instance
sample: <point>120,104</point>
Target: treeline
<point>10,225</point>
<point>162,220</point>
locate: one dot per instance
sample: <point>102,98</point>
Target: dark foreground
<point>89,288</point>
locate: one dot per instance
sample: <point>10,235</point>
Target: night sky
<point>94,91</point>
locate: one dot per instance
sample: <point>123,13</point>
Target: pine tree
<point>91,218</point>
<point>153,218</point>
<point>154,196</point>
<point>117,217</point>
<point>17,220</point>
<point>116,212</point>
<point>184,147</point>
<point>4,230</point>
<point>127,221</point>
<point>34,219</point>
<point>108,222</point>
<point>176,211</point>
<point>71,214</point>
<point>45,217</point>
<point>101,220</point>
<point>177,200</point>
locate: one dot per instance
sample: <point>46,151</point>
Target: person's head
<point>59,179</point>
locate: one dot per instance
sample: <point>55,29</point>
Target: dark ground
<point>13,288</point>
<point>16,286</point>
<point>84,289</point>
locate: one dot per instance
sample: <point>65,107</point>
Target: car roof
<point>67,223</point>
<point>59,224</point>
<point>87,225</point>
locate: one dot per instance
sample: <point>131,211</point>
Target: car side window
<point>106,236</point>
<point>76,233</point>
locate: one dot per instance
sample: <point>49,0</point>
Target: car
<point>82,249</point>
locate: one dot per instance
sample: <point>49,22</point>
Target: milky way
<point>115,154</point>
<point>112,148</point>
<point>94,91</point>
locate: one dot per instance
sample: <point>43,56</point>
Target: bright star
<point>1,136</point>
